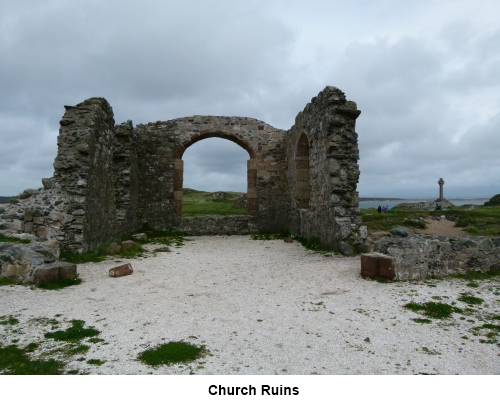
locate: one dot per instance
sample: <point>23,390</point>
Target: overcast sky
<point>425,74</point>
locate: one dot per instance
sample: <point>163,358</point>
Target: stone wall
<point>328,178</point>
<point>420,257</point>
<point>83,170</point>
<point>110,180</point>
<point>218,225</point>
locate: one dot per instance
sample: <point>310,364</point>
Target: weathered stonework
<point>112,179</point>
<point>418,257</point>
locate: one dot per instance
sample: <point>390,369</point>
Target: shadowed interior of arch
<point>214,177</point>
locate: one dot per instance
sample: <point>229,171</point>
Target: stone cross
<point>441,182</point>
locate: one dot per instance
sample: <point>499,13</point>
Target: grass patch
<point>4,238</point>
<point>172,353</point>
<point>431,309</point>
<point>74,333</point>
<point>78,350</point>
<point>16,361</point>
<point>489,331</point>
<point>470,299</point>
<point>7,281</point>
<point>484,221</point>
<point>168,238</point>
<point>200,203</point>
<point>421,320</point>
<point>96,362</point>
<point>8,321</point>
<point>313,244</point>
<point>474,275</point>
<point>270,236</point>
<point>59,284</point>
<point>79,258</point>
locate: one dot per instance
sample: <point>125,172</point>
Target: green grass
<point>471,300</point>
<point>78,350</point>
<point>199,203</point>
<point>16,361</point>
<point>432,309</point>
<point>474,275</point>
<point>74,333</point>
<point>394,217</point>
<point>313,244</point>
<point>7,281</point>
<point>4,238</point>
<point>421,320</point>
<point>59,284</point>
<point>79,258</point>
<point>96,362</point>
<point>270,236</point>
<point>483,221</point>
<point>8,321</point>
<point>172,353</point>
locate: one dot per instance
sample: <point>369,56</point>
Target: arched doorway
<point>252,202</point>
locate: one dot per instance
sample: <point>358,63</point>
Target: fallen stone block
<point>113,248</point>
<point>288,239</point>
<point>375,265</point>
<point>67,271</point>
<point>120,271</point>
<point>128,244</point>
<point>140,236</point>
<point>46,275</point>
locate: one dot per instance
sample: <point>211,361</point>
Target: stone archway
<point>252,201</point>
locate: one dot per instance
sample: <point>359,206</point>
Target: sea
<point>393,203</point>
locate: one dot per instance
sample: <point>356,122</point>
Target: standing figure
<point>379,209</point>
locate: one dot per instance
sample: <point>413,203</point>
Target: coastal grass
<point>394,217</point>
<point>172,353</point>
<point>200,203</point>
<point>481,221</point>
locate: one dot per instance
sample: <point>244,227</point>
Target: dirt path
<point>442,227</point>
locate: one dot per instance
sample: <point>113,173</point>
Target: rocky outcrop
<point>34,262</point>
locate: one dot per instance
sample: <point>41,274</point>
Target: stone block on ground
<point>140,236</point>
<point>120,271</point>
<point>128,244</point>
<point>288,239</point>
<point>67,271</point>
<point>375,265</point>
<point>113,248</point>
<point>46,275</point>
<point>345,249</point>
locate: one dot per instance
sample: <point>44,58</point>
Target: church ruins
<point>112,179</point>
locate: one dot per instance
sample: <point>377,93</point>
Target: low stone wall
<point>218,225</point>
<point>420,257</point>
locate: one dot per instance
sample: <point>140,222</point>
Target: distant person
<point>387,208</point>
<point>383,209</point>
<point>437,207</point>
<point>379,209</point>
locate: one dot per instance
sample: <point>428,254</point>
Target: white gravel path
<point>259,307</point>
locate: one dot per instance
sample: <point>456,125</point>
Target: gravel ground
<point>259,307</point>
